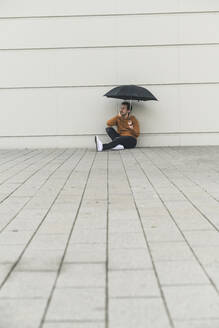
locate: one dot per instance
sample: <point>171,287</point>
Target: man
<point>127,130</point>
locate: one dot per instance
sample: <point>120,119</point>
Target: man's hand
<point>130,124</point>
<point>119,114</point>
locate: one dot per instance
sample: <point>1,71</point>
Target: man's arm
<point>112,121</point>
<point>135,127</point>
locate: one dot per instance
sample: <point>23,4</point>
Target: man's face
<point>124,110</point>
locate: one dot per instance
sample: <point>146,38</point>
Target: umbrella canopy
<point>130,92</point>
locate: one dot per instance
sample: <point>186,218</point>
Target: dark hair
<point>127,104</point>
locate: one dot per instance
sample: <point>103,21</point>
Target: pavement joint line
<point>197,319</point>
<point>125,248</point>
<point>68,240</point>
<point>182,192</point>
<point>55,233</point>
<point>188,230</point>
<point>80,287</point>
<point>163,261</point>
<point>2,183</point>
<point>136,297</point>
<point>131,269</point>
<point>17,244</point>
<point>162,241</point>
<point>74,321</point>
<point>186,285</point>
<point>5,262</point>
<point>17,163</point>
<point>34,270</point>
<point>87,243</point>
<point>14,155</point>
<point>11,158</point>
<point>195,183</point>
<point>8,151</point>
<point>43,219</point>
<point>21,185</point>
<point>180,230</point>
<point>20,162</point>
<point>142,293</point>
<point>148,247</point>
<point>83,263</point>
<point>22,298</point>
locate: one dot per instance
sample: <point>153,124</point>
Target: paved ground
<point>113,239</point>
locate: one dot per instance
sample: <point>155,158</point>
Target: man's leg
<point>112,133</point>
<point>126,141</point>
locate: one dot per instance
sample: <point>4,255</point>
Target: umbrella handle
<point>130,106</point>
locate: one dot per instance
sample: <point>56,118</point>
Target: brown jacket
<point>123,127</point>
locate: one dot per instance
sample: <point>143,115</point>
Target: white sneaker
<point>99,145</point>
<point>118,147</point>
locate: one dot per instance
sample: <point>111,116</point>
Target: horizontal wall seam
<point>112,46</point>
<point>112,14</point>
<point>106,85</point>
<point>103,134</point>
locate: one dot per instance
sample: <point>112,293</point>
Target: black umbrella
<point>130,92</point>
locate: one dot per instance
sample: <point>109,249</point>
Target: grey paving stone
<point>92,221</point>
<point>40,260</point>
<point>5,268</point>
<point>126,240</point>
<point>49,242</point>
<point>133,283</point>
<point>168,251</point>
<point>117,210</point>
<point>62,226</point>
<point>209,323</point>
<point>158,221</point>
<point>82,275</point>
<point>159,234</point>
<point>88,236</point>
<point>29,213</point>
<point>19,225</point>
<point>28,285</point>
<point>209,257</point>
<point>74,324</point>
<point>167,195</point>
<point>192,302</point>
<point>85,253</point>
<point>25,313</point>
<point>77,304</point>
<point>203,238</point>
<point>10,253</point>
<point>154,211</point>
<point>139,313</point>
<point>184,272</point>
<point>192,223</point>
<point>213,272</point>
<point>207,254</point>
<point>124,226</point>
<point>15,237</point>
<point>130,258</point>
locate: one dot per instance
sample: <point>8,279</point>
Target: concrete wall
<point>58,58</point>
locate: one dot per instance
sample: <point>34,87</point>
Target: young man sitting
<point>127,130</point>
